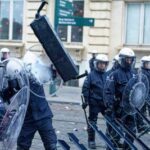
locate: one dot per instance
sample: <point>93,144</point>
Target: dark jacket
<point>147,73</point>
<point>115,85</point>
<point>93,86</point>
<point>38,106</point>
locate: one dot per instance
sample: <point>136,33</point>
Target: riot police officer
<point>113,92</point>
<point>38,116</point>
<point>115,64</point>
<point>145,66</point>
<point>92,91</point>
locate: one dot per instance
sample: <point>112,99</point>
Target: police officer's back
<point>38,118</point>
<point>37,102</point>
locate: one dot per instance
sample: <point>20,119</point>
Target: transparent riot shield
<point>135,94</point>
<point>14,108</point>
<point>13,119</point>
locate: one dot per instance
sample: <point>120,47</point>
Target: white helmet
<point>101,58</point>
<point>126,53</point>
<point>14,67</point>
<point>144,60</point>
<point>5,50</point>
<point>116,58</point>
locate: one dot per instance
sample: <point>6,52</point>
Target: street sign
<point>75,21</point>
<point>64,8</point>
<point>64,13</point>
<point>65,4</point>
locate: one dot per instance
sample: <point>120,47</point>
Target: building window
<point>72,33</point>
<point>138,24</point>
<point>11,19</point>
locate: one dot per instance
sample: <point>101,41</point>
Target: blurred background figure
<point>5,53</point>
<point>91,61</point>
<point>52,88</point>
<point>115,64</point>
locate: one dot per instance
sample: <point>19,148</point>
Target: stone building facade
<point>118,23</point>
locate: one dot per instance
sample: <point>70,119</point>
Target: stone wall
<point>99,35</point>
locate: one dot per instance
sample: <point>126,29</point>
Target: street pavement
<point>69,118</point>
<point>65,94</point>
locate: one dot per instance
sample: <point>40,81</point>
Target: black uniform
<point>113,97</point>
<point>147,73</point>
<point>92,91</point>
<point>141,125</point>
<point>38,118</point>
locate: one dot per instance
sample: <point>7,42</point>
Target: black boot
<point>92,144</point>
<point>91,138</point>
<point>142,127</point>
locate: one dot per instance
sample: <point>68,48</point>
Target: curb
<point>63,102</point>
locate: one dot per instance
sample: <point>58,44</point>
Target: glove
<point>108,112</point>
<point>84,105</point>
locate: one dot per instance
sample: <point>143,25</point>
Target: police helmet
<point>5,50</point>
<point>101,58</point>
<point>145,60</point>
<point>13,68</point>
<point>116,58</point>
<point>124,54</point>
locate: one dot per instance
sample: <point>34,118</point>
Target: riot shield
<point>13,119</point>
<point>14,105</point>
<point>135,93</point>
